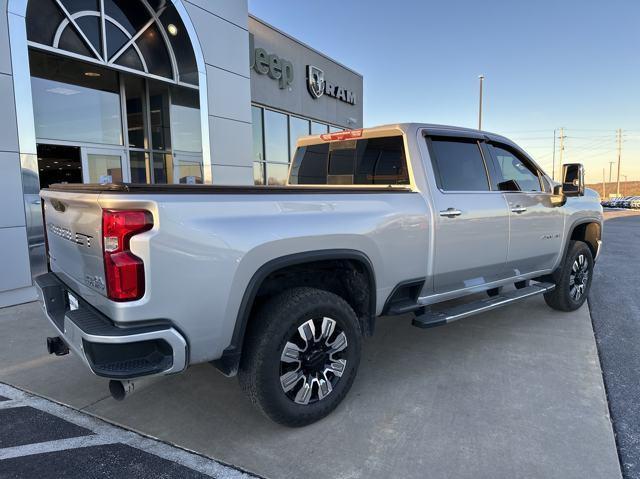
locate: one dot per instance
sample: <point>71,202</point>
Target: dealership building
<point>149,91</point>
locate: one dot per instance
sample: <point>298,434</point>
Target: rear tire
<point>301,355</point>
<point>573,278</point>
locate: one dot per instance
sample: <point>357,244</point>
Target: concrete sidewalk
<point>512,393</point>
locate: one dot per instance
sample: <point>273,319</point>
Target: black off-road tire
<point>561,298</point>
<point>271,328</point>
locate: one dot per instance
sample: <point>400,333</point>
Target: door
<point>536,225</point>
<point>472,220</point>
<point>101,165</point>
<point>58,164</point>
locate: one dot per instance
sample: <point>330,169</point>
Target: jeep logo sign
<point>270,64</point>
<point>318,85</point>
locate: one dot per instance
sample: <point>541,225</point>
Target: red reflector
<point>124,271</point>
<point>342,135</point>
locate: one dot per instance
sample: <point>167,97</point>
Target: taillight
<point>124,271</point>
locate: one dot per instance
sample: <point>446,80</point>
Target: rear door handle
<point>450,213</point>
<point>518,209</point>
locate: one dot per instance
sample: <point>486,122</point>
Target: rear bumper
<point>109,350</point>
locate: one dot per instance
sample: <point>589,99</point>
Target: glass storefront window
<point>159,106</point>
<point>136,112</point>
<point>161,163</point>
<point>258,137</point>
<point>187,172</point>
<point>298,127</point>
<point>185,120</point>
<point>104,168</point>
<point>318,128</point>
<point>70,112</point>
<point>277,174</point>
<point>70,105</point>
<point>258,173</point>
<point>333,129</point>
<point>276,137</point>
<point>138,161</point>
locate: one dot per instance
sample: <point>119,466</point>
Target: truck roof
<point>395,128</point>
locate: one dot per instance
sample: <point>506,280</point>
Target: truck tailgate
<point>73,223</point>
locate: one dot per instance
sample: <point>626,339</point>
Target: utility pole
<point>604,185</point>
<point>562,137</point>
<point>611,163</point>
<point>619,158</point>
<point>553,168</point>
<point>481,78</point>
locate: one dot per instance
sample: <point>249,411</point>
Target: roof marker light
<point>342,135</point>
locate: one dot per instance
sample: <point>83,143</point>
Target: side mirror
<point>573,179</point>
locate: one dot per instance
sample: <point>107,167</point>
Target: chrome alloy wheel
<point>312,364</point>
<point>579,277</point>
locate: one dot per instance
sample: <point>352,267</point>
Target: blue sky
<point>548,64</point>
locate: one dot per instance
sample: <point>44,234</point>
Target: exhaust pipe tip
<point>121,390</point>
<point>118,390</point>
<point>57,346</point>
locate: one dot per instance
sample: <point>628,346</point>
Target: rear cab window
<point>365,161</point>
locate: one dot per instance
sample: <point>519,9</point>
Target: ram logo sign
<point>318,86</point>
<point>315,81</point>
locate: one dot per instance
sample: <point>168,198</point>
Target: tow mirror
<point>573,179</point>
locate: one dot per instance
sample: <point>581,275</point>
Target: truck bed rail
<point>224,189</point>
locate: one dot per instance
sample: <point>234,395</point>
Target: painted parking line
<point>39,436</point>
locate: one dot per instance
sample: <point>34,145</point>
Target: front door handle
<point>450,213</point>
<point>518,209</point>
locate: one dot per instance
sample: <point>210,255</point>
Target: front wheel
<point>301,355</point>
<point>573,279</point>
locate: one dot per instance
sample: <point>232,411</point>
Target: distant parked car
<point>635,203</point>
<point>617,202</point>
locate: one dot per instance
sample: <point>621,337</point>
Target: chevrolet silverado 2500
<point>279,285</point>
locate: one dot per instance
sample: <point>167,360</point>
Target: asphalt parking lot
<point>512,393</point>
<point>39,438</point>
<point>615,310</point>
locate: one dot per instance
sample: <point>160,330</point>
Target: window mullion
<point>78,29</point>
<point>103,30</point>
<point>148,132</point>
<point>132,41</point>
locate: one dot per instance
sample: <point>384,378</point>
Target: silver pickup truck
<point>279,285</point>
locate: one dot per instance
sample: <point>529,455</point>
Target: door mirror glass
<point>573,179</point>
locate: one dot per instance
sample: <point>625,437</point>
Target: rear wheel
<point>572,279</point>
<point>301,355</point>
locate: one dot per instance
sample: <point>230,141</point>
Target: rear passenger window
<point>375,161</point>
<point>459,165</point>
<point>514,173</point>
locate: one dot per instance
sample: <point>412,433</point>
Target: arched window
<point>144,36</point>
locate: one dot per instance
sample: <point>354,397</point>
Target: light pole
<point>481,78</point>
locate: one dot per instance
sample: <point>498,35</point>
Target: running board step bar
<point>431,319</point>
